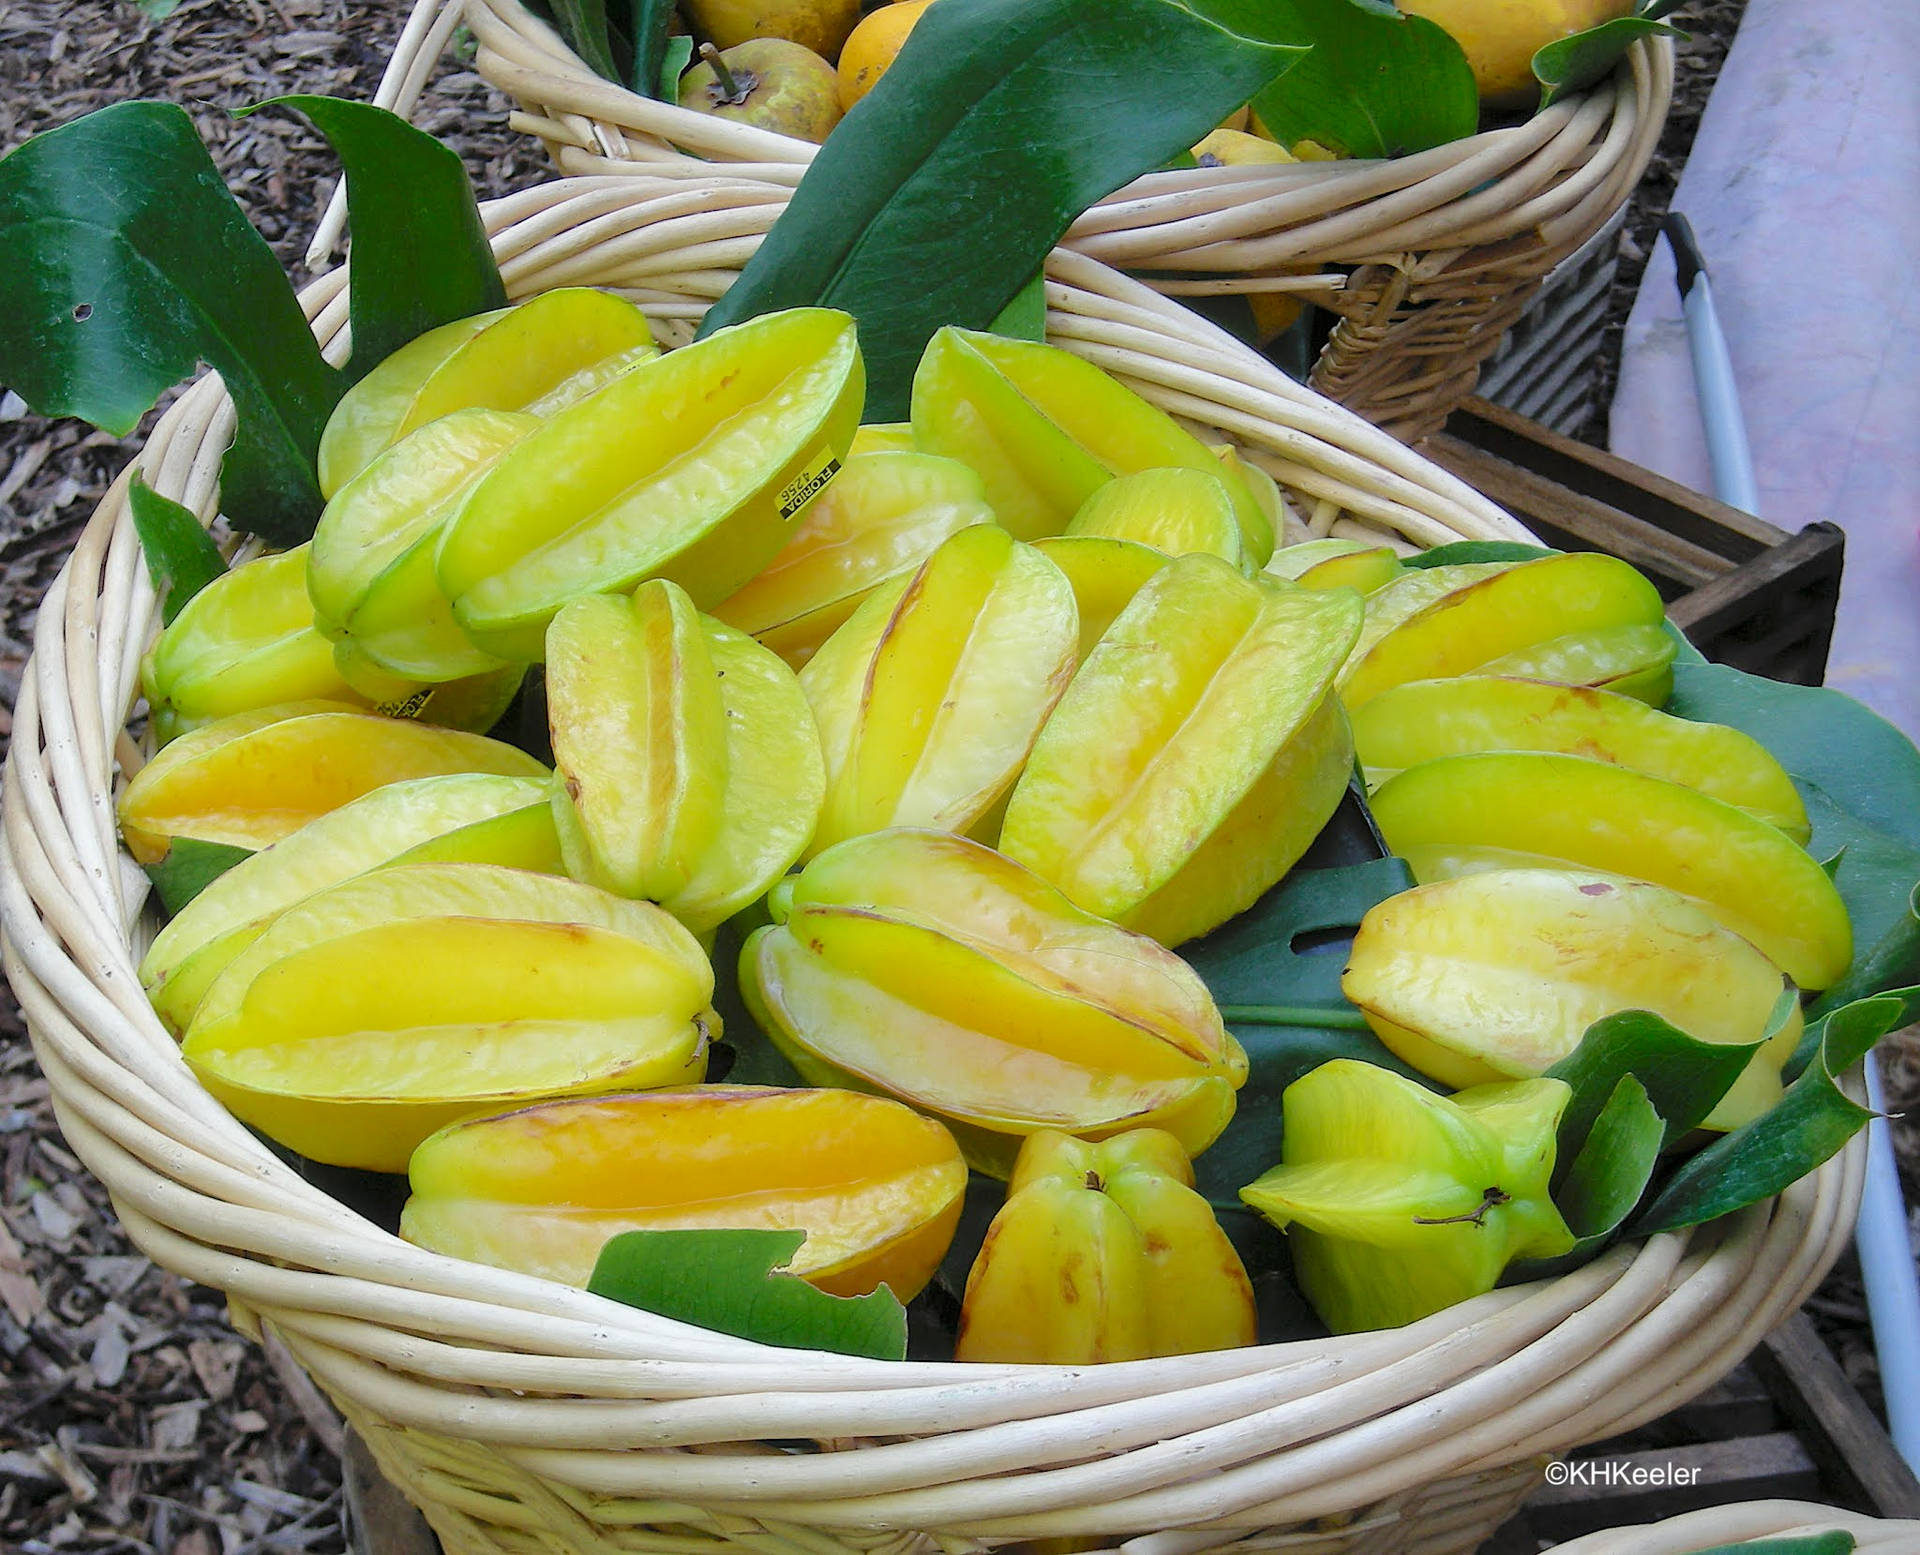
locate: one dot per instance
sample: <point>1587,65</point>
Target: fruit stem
<point>1326,1017</point>
<point>1490,1198</point>
<point>732,93</point>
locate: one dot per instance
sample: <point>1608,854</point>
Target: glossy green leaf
<point>1019,114</point>
<point>675,55</point>
<point>1025,318</point>
<point>730,1281</point>
<point>1816,1032</point>
<point>1684,1077</point>
<point>1804,1128</point>
<point>1602,1185</point>
<point>1860,780</point>
<point>1377,84</point>
<point>1684,651</point>
<point>188,867</point>
<point>1573,63</point>
<point>128,264</point>
<point>1462,551</point>
<point>420,252</point>
<point>1275,972</point>
<point>181,556</point>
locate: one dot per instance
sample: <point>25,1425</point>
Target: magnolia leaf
<point>181,556</point>
<point>731,1282</point>
<point>1598,1188</point>
<point>128,264</point>
<point>1010,117</point>
<point>1378,83</point>
<point>1804,1128</point>
<point>188,867</point>
<point>1572,63</point>
<point>420,252</point>
<point>1683,1076</point>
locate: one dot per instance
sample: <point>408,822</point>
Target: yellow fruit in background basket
<point>1236,148</point>
<point>820,25</point>
<point>871,47</point>
<point>769,83</point>
<point>1500,37</point>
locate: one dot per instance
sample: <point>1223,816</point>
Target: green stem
<point>731,92</point>
<point>1325,1017</point>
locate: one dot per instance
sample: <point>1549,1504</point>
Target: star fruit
<point>1104,1252</point>
<point>926,967</point>
<point>1045,429</point>
<point>368,1016</point>
<point>876,1187</point>
<point>1498,975</point>
<point>1459,815</point>
<point>510,360</point>
<point>931,695</point>
<point>252,778</point>
<point>1195,756</point>
<point>1397,1202</point>
<point>691,468</point>
<point>689,764</point>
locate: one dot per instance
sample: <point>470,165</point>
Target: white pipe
<point>1880,1235</point>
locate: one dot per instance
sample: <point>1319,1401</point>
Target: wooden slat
<point>1560,514</point>
<point>1849,1443</point>
<point>1615,481</point>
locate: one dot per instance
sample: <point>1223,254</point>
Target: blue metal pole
<point>1881,1236</point>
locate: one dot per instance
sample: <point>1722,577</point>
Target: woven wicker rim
<point>1745,1521</point>
<point>605,1399</point>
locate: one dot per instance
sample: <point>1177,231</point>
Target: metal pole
<point>1881,1236</point>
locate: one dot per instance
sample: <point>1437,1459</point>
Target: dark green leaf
<point>128,263</point>
<point>1025,318</point>
<point>1256,965</point>
<point>727,1281</point>
<point>181,556</point>
<point>1816,1032</point>
<point>1836,1541</point>
<point>1377,84</point>
<point>189,867</point>
<point>1604,1181</point>
<point>647,72</point>
<point>420,252</point>
<point>1010,118</point>
<point>1876,877</point>
<point>1683,1076</point>
<point>675,55</point>
<point>1804,1128</point>
<point>1575,62</point>
<point>1462,551</point>
<point>583,23</point>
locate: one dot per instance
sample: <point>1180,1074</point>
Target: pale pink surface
<point>1804,189</point>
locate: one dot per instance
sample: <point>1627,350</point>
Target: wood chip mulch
<point>132,1419</point>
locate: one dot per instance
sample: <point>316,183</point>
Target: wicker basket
<point>527,1417</point>
<point>1428,259</point>
<point>1746,1521</point>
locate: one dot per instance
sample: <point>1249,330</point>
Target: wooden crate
<point>1785,1424</point>
<point>1747,593</point>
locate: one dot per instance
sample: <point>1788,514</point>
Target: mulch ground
<point>131,1417</point>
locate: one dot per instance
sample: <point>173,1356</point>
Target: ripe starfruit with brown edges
<point>1104,1252</point>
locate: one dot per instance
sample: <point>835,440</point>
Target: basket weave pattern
<point>1439,252</point>
<point>528,1417</point>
